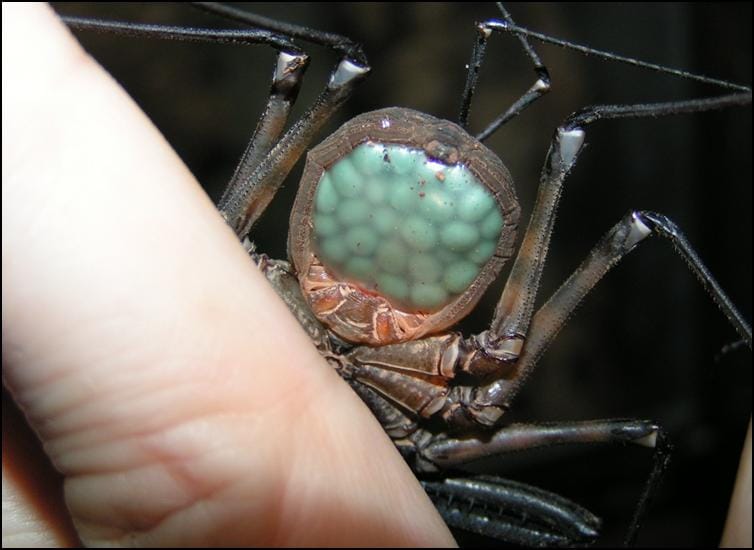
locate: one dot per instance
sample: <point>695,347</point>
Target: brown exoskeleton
<point>418,388</point>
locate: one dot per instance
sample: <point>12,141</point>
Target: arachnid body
<point>649,344</point>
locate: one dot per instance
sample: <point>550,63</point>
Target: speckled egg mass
<point>391,220</point>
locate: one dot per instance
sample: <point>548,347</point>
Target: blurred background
<point>644,344</point>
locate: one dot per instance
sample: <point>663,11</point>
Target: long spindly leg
<point>542,84</point>
<point>286,83</point>
<point>540,87</point>
<point>265,164</point>
<point>524,514</point>
<point>513,313</point>
<point>267,160</point>
<point>452,452</point>
<point>447,452</point>
<point>342,45</point>
<point>248,201</point>
<point>486,505</point>
<point>619,241</point>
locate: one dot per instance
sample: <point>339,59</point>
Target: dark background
<point>644,343</point>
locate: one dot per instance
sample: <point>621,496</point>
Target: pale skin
<point>172,390</point>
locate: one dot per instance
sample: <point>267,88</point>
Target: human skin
<point>172,390</point>
<point>737,532</point>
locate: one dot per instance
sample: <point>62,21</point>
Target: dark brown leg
<point>248,201</point>
<point>286,82</point>
<point>492,506</point>
<point>548,321</point>
<point>450,452</point>
<point>443,453</point>
<point>510,324</point>
<point>265,164</point>
<point>618,242</point>
<point>540,87</point>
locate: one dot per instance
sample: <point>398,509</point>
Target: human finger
<point>166,380</point>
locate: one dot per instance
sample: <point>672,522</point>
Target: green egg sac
<point>389,219</point>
